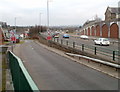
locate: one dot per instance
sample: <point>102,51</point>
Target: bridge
<point>106,29</point>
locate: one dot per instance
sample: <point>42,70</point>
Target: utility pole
<point>47,15</point>
<point>40,21</point>
<point>15,23</point>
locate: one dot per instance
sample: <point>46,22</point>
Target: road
<point>89,42</point>
<point>51,71</point>
<point>111,52</point>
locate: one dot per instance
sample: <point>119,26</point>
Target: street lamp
<point>47,15</point>
<point>40,21</point>
<point>15,23</point>
<point>12,35</point>
<point>40,18</point>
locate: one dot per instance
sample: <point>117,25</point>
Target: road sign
<point>13,38</point>
<point>49,37</point>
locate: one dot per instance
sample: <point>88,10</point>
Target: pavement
<point>0,72</point>
<point>5,75</point>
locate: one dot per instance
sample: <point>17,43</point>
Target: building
<point>119,11</point>
<point>109,28</point>
<point>1,36</point>
<point>3,24</point>
<point>112,13</point>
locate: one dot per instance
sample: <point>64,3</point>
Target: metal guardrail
<point>22,81</point>
<point>96,60</point>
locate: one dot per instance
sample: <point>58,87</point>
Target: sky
<point>61,12</point>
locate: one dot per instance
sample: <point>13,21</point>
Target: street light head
<point>50,0</point>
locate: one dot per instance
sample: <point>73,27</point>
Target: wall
<point>103,29</point>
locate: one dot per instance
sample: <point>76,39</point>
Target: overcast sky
<point>61,12</point>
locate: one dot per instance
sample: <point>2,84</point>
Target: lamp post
<point>15,23</point>
<point>47,15</point>
<point>40,18</point>
<point>40,21</point>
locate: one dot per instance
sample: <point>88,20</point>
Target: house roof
<point>114,10</point>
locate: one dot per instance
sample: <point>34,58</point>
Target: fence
<point>22,81</point>
<point>103,52</point>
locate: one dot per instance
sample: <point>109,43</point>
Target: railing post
<point>82,47</point>
<point>67,43</point>
<point>54,39</point>
<point>95,50</point>
<point>58,40</point>
<point>114,55</point>
<point>61,41</point>
<point>73,44</point>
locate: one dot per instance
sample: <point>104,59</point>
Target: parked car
<point>66,36</point>
<point>84,37</point>
<point>102,41</point>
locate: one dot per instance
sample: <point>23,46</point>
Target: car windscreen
<point>105,40</point>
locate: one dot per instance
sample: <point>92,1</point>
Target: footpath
<point>0,72</point>
<point>5,75</point>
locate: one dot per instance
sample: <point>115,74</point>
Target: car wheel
<point>100,44</point>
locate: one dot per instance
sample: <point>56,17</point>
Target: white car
<point>102,41</point>
<point>84,37</point>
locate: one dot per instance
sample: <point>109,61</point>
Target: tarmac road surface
<point>51,71</point>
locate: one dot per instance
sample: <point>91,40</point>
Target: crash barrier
<point>96,60</point>
<point>22,81</point>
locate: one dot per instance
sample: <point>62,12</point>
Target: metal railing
<point>22,81</point>
<point>112,54</point>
